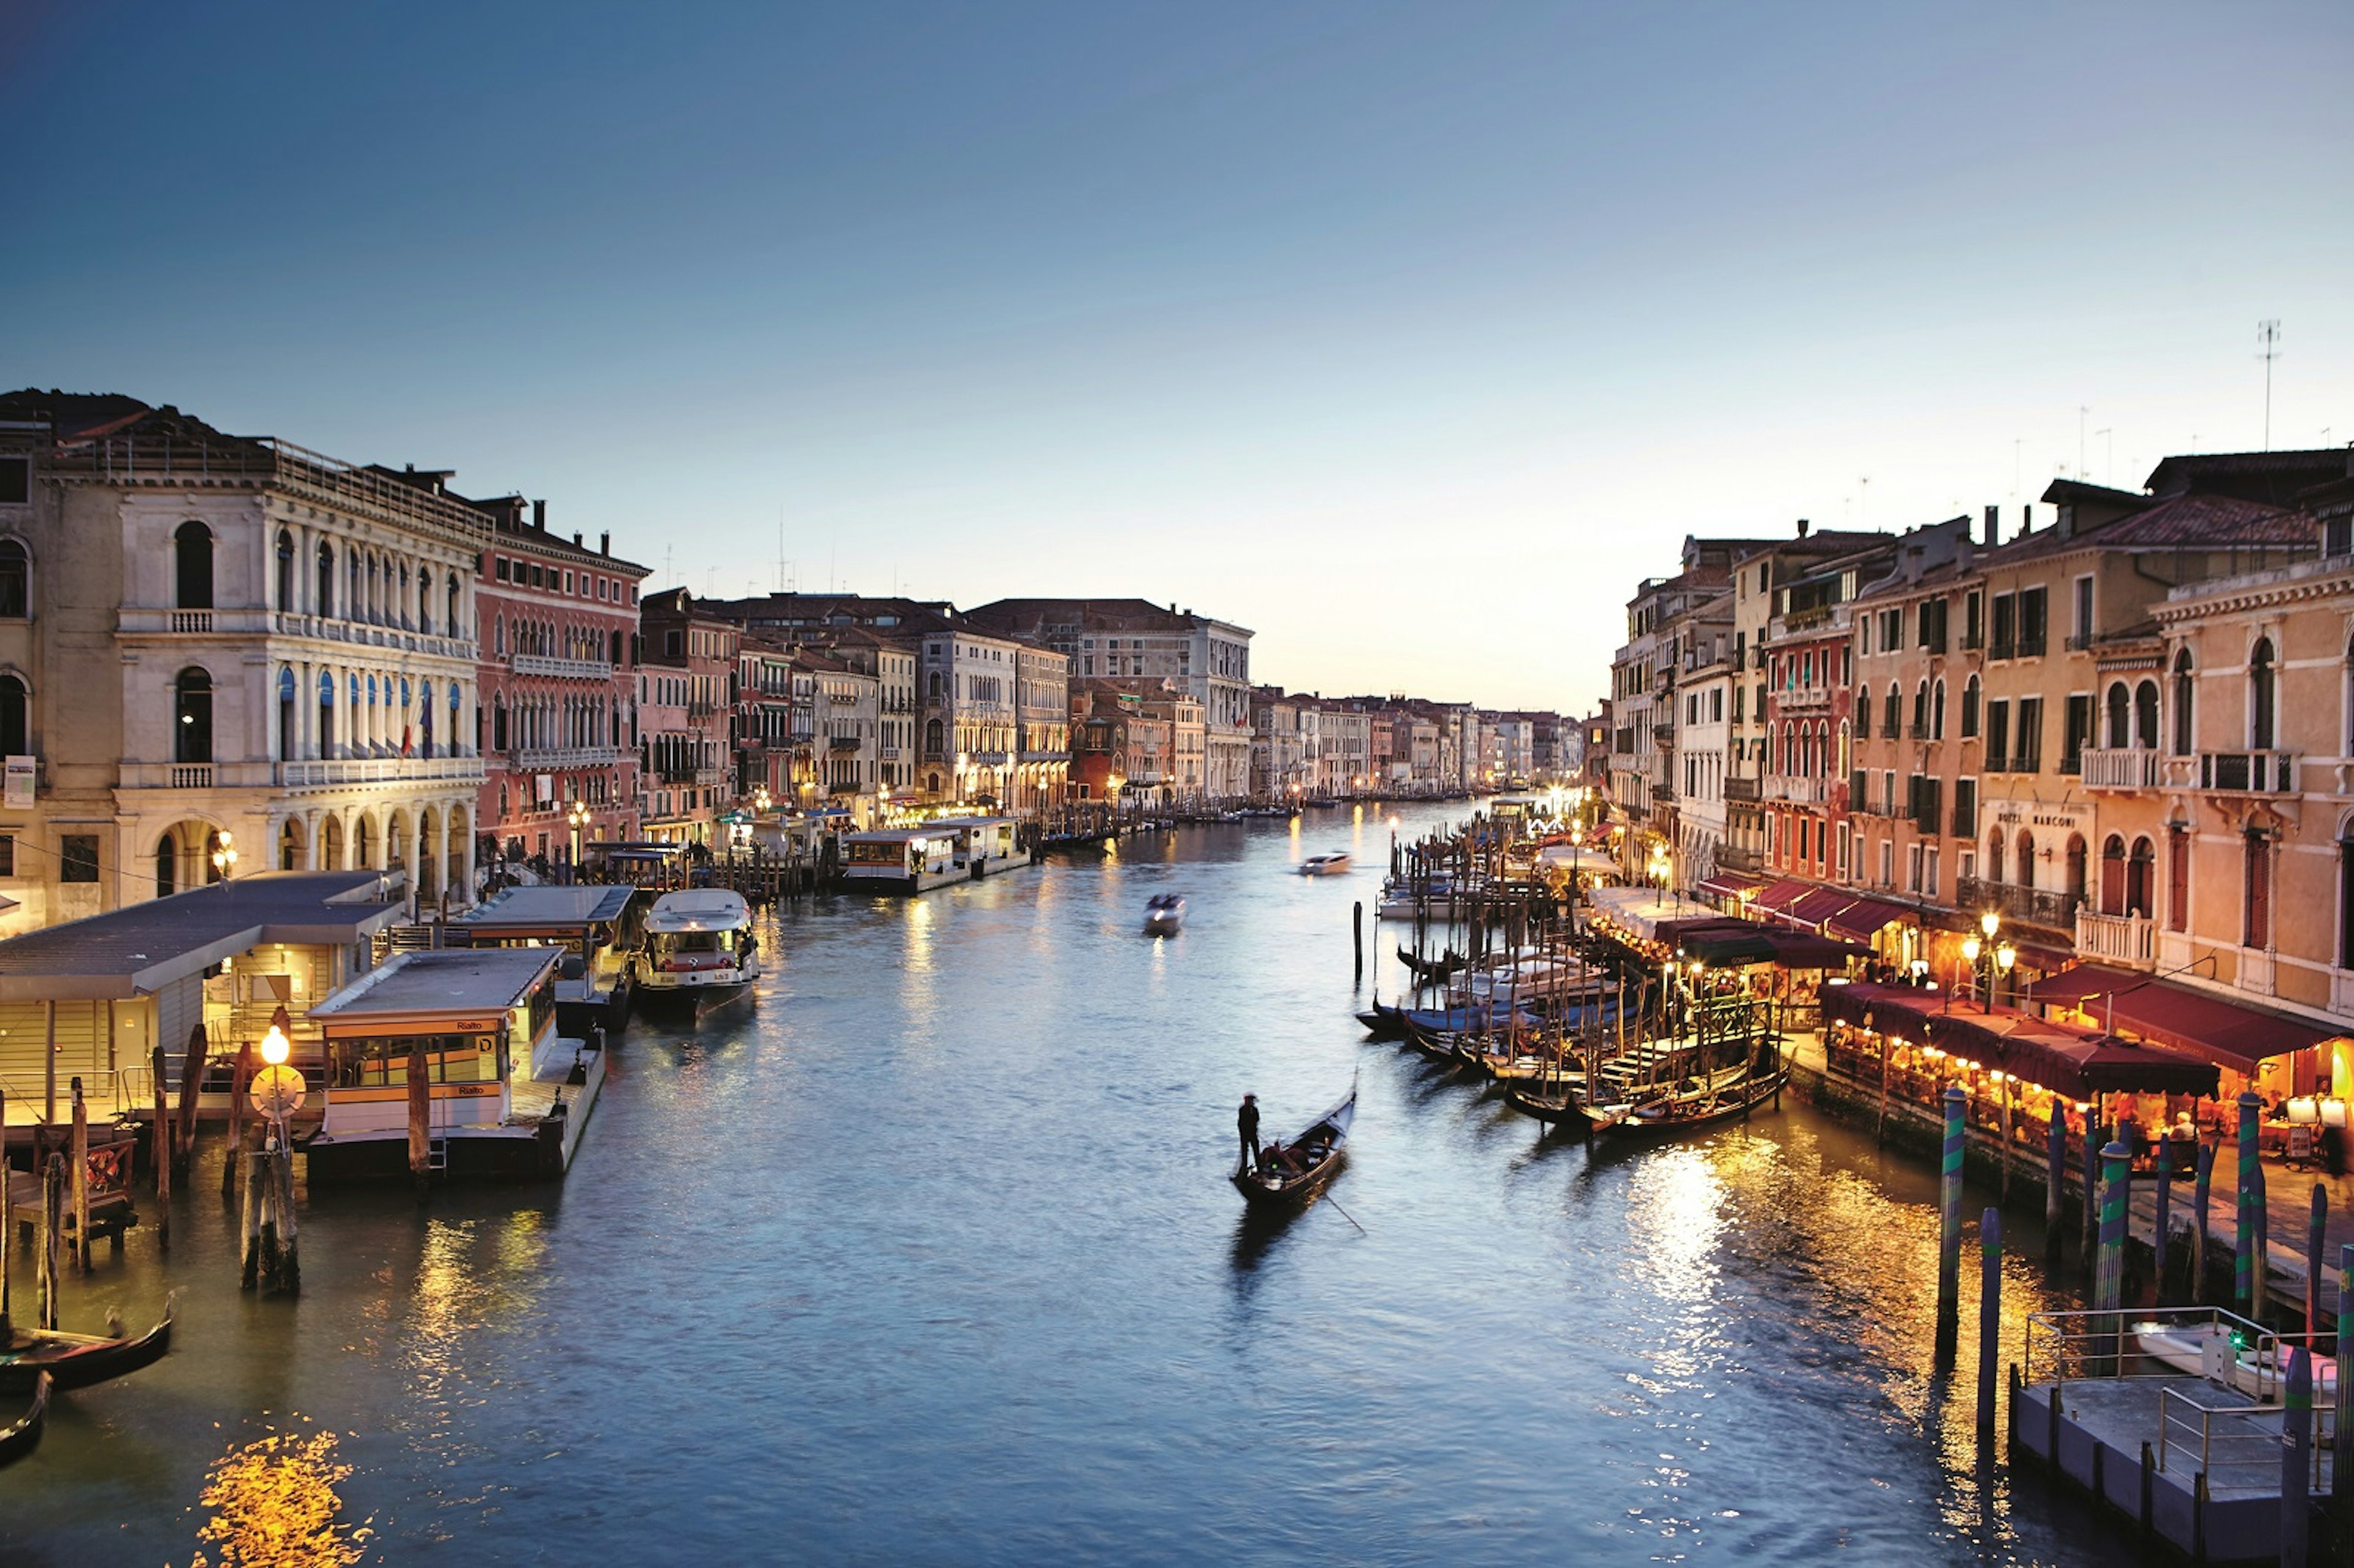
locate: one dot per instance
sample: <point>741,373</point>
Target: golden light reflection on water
<point>1705,1214</point>
<point>274,1505</point>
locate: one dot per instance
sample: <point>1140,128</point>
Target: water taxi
<point>1165,914</point>
<point>597,930</point>
<point>917,859</point>
<point>1332,864</point>
<point>700,950</point>
<point>498,1092</point>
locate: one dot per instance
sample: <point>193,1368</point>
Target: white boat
<point>1530,979</point>
<point>1332,864</point>
<point>1165,914</point>
<point>700,950</point>
<point>2242,1358</point>
<point>917,860</point>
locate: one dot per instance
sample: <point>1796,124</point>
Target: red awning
<point>2231,1033</point>
<point>2044,960</point>
<point>1731,884</point>
<point>1782,894</point>
<point>1818,905</point>
<point>2077,1063</point>
<point>1863,918</point>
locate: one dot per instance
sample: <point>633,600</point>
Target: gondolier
<point>1246,1124</point>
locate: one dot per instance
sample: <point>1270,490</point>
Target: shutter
<point>2177,879</point>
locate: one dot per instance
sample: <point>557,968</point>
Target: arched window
<point>450,620</point>
<point>1937,711</point>
<point>617,651</point>
<point>16,580</point>
<point>424,601</point>
<point>2120,733</point>
<point>2139,866</point>
<point>1863,714</point>
<point>1994,856</point>
<point>2113,871</point>
<point>354,596</point>
<point>287,740</point>
<point>2346,895</point>
<point>1892,722</point>
<point>2075,867</point>
<point>2145,715</point>
<point>192,716</point>
<point>326,714</point>
<point>2263,682</point>
<point>934,737</point>
<point>2026,858</point>
<point>499,630</point>
<point>325,570</point>
<point>1971,708</point>
<point>498,724</point>
<point>425,719</point>
<point>16,728</point>
<point>167,866</point>
<point>2185,732</point>
<point>285,572</point>
<point>192,562</point>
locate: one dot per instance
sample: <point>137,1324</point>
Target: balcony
<point>552,759</point>
<point>1737,857</point>
<point>1799,697</point>
<point>563,668</point>
<point>2127,939</point>
<point>331,771</point>
<point>1797,791</point>
<point>2125,768</point>
<point>2248,772</point>
<point>1663,794</point>
<point>2032,906</point>
<point>1916,732</point>
<point>1741,789</point>
<point>1663,731</point>
<point>190,623</point>
<point>359,634</point>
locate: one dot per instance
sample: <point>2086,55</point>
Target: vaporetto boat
<point>700,952</point>
<point>932,854</point>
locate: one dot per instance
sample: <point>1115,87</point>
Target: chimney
<point>605,543</point>
<point>539,515</point>
<point>1803,525</point>
<point>1993,526</point>
<point>575,538</point>
<point>2027,519</point>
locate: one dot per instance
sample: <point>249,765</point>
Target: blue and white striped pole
<point>1949,1226</point>
<point>2296,1460</point>
<point>1989,1318</point>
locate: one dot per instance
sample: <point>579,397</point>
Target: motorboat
<point>700,950</point>
<point>1165,914</point>
<point>1332,864</point>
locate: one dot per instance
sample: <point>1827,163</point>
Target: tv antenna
<point>2081,412</point>
<point>2268,349</point>
<point>2108,453</point>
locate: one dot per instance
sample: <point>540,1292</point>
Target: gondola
<point>76,1361</point>
<point>1437,968</point>
<point>1693,1103</point>
<point>1319,1147</point>
<point>22,1437</point>
<point>1383,1023</point>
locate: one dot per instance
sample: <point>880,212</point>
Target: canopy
<point>1863,918</point>
<point>1782,894</point>
<point>1731,885</point>
<point>2077,1063</point>
<point>2227,1032</point>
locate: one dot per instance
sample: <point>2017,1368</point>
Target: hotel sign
<point>2036,814</point>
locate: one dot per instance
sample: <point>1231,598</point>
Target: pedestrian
<point>1246,1124</point>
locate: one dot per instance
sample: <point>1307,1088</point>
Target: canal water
<point>927,1255</point>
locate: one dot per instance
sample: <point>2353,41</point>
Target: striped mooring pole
<point>1989,1318</point>
<point>2342,1430</point>
<point>1949,1227</point>
<point>2092,1213</point>
<point>2109,1280</point>
<point>2055,1181</point>
<point>2243,1246</point>
<point>2297,1459</point>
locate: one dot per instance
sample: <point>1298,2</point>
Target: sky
<point>1411,336</point>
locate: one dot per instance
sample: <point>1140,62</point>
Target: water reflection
<point>274,1505</point>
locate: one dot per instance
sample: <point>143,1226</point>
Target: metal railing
<point>2248,772</point>
<point>2234,1445</point>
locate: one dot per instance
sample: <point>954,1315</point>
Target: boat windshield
<point>382,1060</point>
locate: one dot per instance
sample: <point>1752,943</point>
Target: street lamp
<point>224,856</point>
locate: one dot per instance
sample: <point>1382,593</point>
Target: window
<point>2027,757</point>
<point>15,480</point>
<point>2006,626</point>
<point>2026,859</point>
<point>2263,683</point>
<point>1937,711</point>
<point>2113,875</point>
<point>1887,863</point>
<point>287,740</point>
<point>1863,714</point>
<point>191,561</point>
<point>16,580</point>
<point>1997,737</point>
<point>8,854</point>
<point>1891,720</point>
<point>2183,730</point>
<point>499,569</point>
<point>2138,865</point>
<point>2120,717</point>
<point>2032,622</point>
<point>285,572</point>
<point>1933,624</point>
<point>1921,711</point>
<point>1970,708</point>
<point>1966,807</point>
<point>1994,855</point>
<point>1974,620</point>
<point>326,714</point>
<point>2081,628</point>
<point>2078,733</point>
<point>2257,899</point>
<point>15,731</point>
<point>2345,895</point>
<point>2178,877</point>
<point>192,716</point>
<point>78,857</point>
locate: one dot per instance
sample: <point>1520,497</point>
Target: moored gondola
<point>1295,1171</point>
<point>23,1435</point>
<point>1437,968</point>
<point>76,1361</point>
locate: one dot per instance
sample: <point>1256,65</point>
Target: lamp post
<point>577,817</point>
<point>277,1092</point>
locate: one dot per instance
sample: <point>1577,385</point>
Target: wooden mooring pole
<point>2297,1459</point>
<point>78,1177</point>
<point>1357,932</point>
<point>420,1122</point>
<point>2244,1248</point>
<point>1949,1227</point>
<point>2202,1183</point>
<point>160,1142</point>
<point>1989,1318</point>
<point>2317,1226</point>
<point>2055,1181</point>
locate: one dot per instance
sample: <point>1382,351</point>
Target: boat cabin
<point>595,931</point>
<point>698,929</point>
<point>911,859</point>
<point>477,1022</point>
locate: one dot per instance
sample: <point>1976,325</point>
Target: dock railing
<point>2158,1342</point>
<point>2217,1441</point>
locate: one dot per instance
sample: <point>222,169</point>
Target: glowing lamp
<point>1971,949</point>
<point>1990,923</point>
<point>275,1047</point>
<point>2006,956</point>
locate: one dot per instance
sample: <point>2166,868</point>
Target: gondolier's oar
<point>1346,1215</point>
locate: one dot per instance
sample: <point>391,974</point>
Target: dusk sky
<point>1410,336</point>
